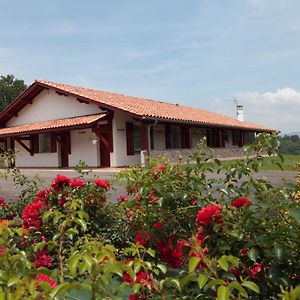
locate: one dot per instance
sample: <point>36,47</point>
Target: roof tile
<point>155,109</point>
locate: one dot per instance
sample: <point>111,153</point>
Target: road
<point>10,193</point>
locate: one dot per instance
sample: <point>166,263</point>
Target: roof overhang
<point>205,124</point>
<point>53,125</point>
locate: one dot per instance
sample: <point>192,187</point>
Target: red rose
<point>206,214</point>
<point>44,278</point>
<point>244,251</point>
<point>77,183</point>
<point>60,181</point>
<point>102,183</point>
<point>31,215</point>
<point>2,203</point>
<point>158,225</point>
<point>240,202</point>
<point>43,259</point>
<point>142,238</point>
<point>122,198</point>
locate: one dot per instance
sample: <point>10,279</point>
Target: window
<point>133,138</point>
<point>235,138</point>
<point>137,139</point>
<point>172,137</point>
<point>45,143</point>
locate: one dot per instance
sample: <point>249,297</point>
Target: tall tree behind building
<point>10,89</point>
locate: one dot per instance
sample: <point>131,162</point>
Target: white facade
<point>48,105</point>
<point>119,157</point>
<point>82,148</point>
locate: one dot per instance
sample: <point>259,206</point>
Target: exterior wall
<point>159,137</point>
<point>48,105</point>
<point>23,158</point>
<point>197,135</point>
<point>83,149</point>
<point>119,157</point>
<point>182,154</point>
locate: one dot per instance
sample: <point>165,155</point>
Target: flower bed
<point>176,234</point>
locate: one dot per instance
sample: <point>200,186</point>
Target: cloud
<point>284,96</point>
<point>279,109</point>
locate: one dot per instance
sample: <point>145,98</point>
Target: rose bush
<point>179,232</point>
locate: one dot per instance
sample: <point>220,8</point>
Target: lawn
<point>271,163</point>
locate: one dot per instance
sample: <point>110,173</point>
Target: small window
<point>45,143</point>
<point>137,139</point>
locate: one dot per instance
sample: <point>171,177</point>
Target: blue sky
<point>200,53</point>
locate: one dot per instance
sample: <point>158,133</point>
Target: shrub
<point>178,233</point>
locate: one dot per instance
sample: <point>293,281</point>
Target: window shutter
<point>168,137</point>
<point>129,138</point>
<point>68,141</point>
<point>53,143</point>
<point>34,144</point>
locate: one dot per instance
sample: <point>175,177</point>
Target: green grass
<point>287,164</point>
<point>270,165</point>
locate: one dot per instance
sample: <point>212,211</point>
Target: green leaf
<point>176,283</point>
<point>223,263</point>
<point>251,285</point>
<point>202,279</point>
<point>185,280</point>
<point>296,214</point>
<point>223,293</point>
<point>82,224</point>
<point>253,254</point>
<point>13,280</point>
<point>193,263</point>
<point>72,264</point>
<point>237,286</point>
<point>162,268</point>
<point>214,282</point>
<point>151,252</point>
<point>88,260</point>
<point>46,215</point>
<point>136,266</point>
<point>136,287</point>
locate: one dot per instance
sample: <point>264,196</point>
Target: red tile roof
<point>53,124</point>
<point>153,109</point>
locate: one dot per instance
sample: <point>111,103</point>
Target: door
<point>65,148</point>
<point>104,150</point>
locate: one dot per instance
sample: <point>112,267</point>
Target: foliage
<point>10,89</point>
<point>289,144</point>
<point>178,233</point>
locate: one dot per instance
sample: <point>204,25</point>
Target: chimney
<point>240,112</point>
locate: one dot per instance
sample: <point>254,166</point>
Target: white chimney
<point>240,112</point>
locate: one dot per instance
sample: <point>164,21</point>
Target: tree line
<point>290,144</point>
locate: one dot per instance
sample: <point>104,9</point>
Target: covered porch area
<point>61,142</point>
<point>175,140</point>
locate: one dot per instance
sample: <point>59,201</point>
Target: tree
<point>10,89</point>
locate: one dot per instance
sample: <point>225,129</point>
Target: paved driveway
<point>8,191</point>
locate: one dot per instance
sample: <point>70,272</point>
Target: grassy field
<point>270,163</point>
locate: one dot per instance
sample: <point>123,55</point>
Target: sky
<point>201,53</point>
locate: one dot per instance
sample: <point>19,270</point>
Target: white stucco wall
<point>119,157</point>
<point>48,105</point>
<point>197,135</point>
<point>82,148</point>
<point>24,159</point>
<point>159,137</point>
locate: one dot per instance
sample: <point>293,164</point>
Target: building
<point>56,125</point>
